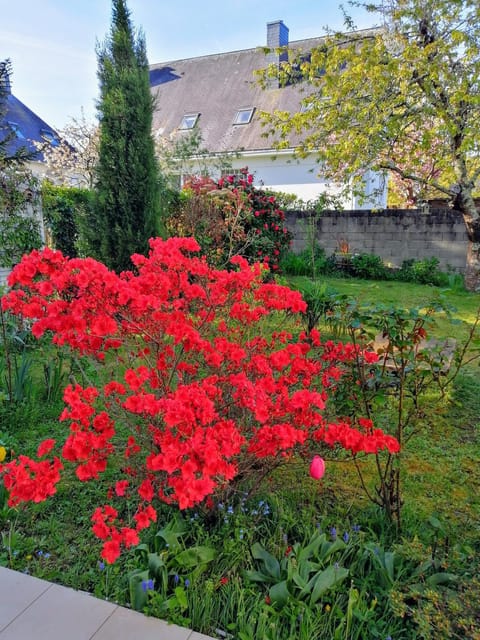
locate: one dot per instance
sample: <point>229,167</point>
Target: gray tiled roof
<point>216,86</point>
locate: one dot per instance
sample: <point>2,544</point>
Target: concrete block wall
<point>394,234</point>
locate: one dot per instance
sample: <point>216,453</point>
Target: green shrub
<point>306,264</point>
<point>424,271</point>
<point>369,266</point>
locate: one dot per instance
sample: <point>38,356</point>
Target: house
<point>21,128</point>
<point>218,96</point>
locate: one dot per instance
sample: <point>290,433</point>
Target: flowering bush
<point>232,217</point>
<point>197,388</point>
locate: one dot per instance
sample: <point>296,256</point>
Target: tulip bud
<point>317,467</point>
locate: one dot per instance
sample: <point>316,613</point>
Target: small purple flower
<point>176,579</point>
<point>356,528</point>
<point>346,537</point>
<point>101,566</point>
<point>187,583</point>
<point>333,533</point>
<point>147,585</point>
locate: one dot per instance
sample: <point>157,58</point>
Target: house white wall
<point>300,176</point>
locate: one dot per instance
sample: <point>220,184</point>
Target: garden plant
<point>218,437</point>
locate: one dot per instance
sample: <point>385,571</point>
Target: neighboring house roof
<point>216,86</point>
<point>27,127</point>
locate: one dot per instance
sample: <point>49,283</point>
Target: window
<point>50,137</point>
<point>16,130</point>
<point>306,106</point>
<point>189,120</point>
<point>243,116</point>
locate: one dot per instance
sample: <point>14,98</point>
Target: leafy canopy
<point>402,97</point>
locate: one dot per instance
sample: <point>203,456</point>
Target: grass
<point>417,583</point>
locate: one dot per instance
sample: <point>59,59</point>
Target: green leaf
<point>441,578</point>
<point>181,597</point>
<point>311,548</point>
<point>138,597</point>
<point>271,564</point>
<point>327,579</point>
<point>194,556</point>
<point>155,564</point>
<point>299,580</point>
<point>257,576</point>
<point>279,593</point>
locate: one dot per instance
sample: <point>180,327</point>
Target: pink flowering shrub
<point>197,386</point>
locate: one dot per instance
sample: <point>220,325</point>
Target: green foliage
<point>19,214</point>
<point>369,266</point>
<point>321,301</point>
<point>65,210</point>
<point>420,584</point>
<point>411,90</point>
<point>127,207</point>
<point>423,272</point>
<point>170,562</point>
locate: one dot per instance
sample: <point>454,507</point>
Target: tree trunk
<point>465,203</point>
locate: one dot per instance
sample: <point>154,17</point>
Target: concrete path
<point>33,609</point>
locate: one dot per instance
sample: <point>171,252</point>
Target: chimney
<point>5,70</point>
<point>277,36</point>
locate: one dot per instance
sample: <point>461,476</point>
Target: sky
<point>51,43</point>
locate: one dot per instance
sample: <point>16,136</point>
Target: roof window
<point>50,137</point>
<point>16,129</point>
<point>244,116</point>
<point>189,120</point>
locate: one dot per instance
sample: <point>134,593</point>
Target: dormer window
<point>244,116</point>
<point>50,137</point>
<point>189,120</point>
<point>15,128</point>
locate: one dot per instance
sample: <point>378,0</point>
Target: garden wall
<point>393,234</point>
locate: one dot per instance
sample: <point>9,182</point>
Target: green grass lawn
<point>419,582</point>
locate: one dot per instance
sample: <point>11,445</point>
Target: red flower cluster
<point>197,383</point>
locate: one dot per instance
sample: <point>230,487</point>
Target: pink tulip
<point>317,467</point>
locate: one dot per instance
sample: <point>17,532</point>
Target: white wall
<point>300,176</point>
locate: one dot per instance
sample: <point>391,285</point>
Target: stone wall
<point>394,234</point>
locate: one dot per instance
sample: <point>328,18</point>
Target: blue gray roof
<point>27,128</point>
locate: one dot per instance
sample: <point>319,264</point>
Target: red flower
<point>45,447</point>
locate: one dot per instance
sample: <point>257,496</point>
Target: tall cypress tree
<point>127,203</point>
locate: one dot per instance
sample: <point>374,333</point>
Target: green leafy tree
<point>127,210</point>
<point>387,98</point>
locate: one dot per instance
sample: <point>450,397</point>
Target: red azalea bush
<point>231,216</point>
<point>198,386</point>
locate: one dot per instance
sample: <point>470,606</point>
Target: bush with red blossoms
<point>198,387</point>
<point>231,216</point>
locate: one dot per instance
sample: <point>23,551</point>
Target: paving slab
<point>17,592</point>
<point>33,609</point>
<point>125,624</point>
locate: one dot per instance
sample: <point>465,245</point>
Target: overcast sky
<point>51,43</point>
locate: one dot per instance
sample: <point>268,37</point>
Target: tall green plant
<point>127,209</point>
